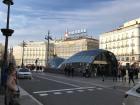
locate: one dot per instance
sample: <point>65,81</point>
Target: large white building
<point>124,42</point>
<point>32,51</point>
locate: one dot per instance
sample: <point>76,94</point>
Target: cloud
<point>32,21</point>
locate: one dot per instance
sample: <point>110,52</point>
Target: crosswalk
<point>67,91</point>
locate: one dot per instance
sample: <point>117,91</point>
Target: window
<point>127,58</point>
<point>133,58</point>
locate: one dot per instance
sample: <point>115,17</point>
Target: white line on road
<point>99,88</point>
<point>95,84</point>
<point>56,93</point>
<point>69,91</point>
<point>80,90</point>
<point>58,81</point>
<point>62,90</point>
<point>90,89</point>
<point>43,94</point>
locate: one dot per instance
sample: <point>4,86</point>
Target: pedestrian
<point>65,70</point>
<point>114,73</point>
<point>69,70</point>
<point>131,74</point>
<point>136,71</point>
<point>72,71</point>
<point>119,72</point>
<point>123,74</point>
<point>95,72</point>
<point>103,72</point>
<point>12,90</point>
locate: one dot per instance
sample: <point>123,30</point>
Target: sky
<point>31,19</point>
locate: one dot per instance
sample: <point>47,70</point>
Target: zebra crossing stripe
<point>43,94</point>
<point>56,93</point>
<point>80,90</point>
<point>90,89</point>
<point>99,88</point>
<point>63,90</point>
<point>69,91</point>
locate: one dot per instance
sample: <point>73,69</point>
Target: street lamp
<point>22,62</point>
<point>6,32</point>
<point>48,37</point>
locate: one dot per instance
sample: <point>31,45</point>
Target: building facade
<point>32,53</point>
<point>124,42</point>
<point>68,47</point>
<point>17,53</point>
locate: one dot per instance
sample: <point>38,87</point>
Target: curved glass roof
<point>88,56</point>
<point>55,62</point>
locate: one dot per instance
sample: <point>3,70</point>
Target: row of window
<point>122,46</point>
<point>120,37</point>
<point>118,41</point>
<point>126,58</point>
<point>108,41</point>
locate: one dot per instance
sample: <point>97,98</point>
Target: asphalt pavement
<point>57,89</point>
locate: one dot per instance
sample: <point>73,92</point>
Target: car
<point>132,97</point>
<point>24,73</point>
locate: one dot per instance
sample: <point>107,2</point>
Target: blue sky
<point>32,18</point>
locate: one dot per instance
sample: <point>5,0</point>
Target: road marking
<point>59,81</point>
<point>95,84</point>
<point>62,90</point>
<point>56,93</point>
<point>80,90</point>
<point>69,91</point>
<point>90,89</point>
<point>43,94</point>
<point>99,88</point>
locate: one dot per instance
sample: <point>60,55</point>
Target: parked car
<point>132,97</point>
<point>24,73</point>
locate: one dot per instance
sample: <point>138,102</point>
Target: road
<point>52,89</point>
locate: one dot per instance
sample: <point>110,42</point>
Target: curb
<point>27,99</point>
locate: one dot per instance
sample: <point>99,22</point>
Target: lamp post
<point>22,62</point>
<point>6,32</point>
<point>48,47</point>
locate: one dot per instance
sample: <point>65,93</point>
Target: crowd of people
<point>119,73</point>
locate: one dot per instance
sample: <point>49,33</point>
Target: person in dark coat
<point>131,74</point>
<point>123,74</point>
<point>102,72</point>
<point>72,71</point>
<point>114,73</point>
<point>65,70</point>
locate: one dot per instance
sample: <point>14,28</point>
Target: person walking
<point>65,70</point>
<point>119,72</point>
<point>72,71</point>
<point>114,73</point>
<point>123,74</point>
<point>12,90</point>
<point>131,74</point>
<point>103,72</point>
